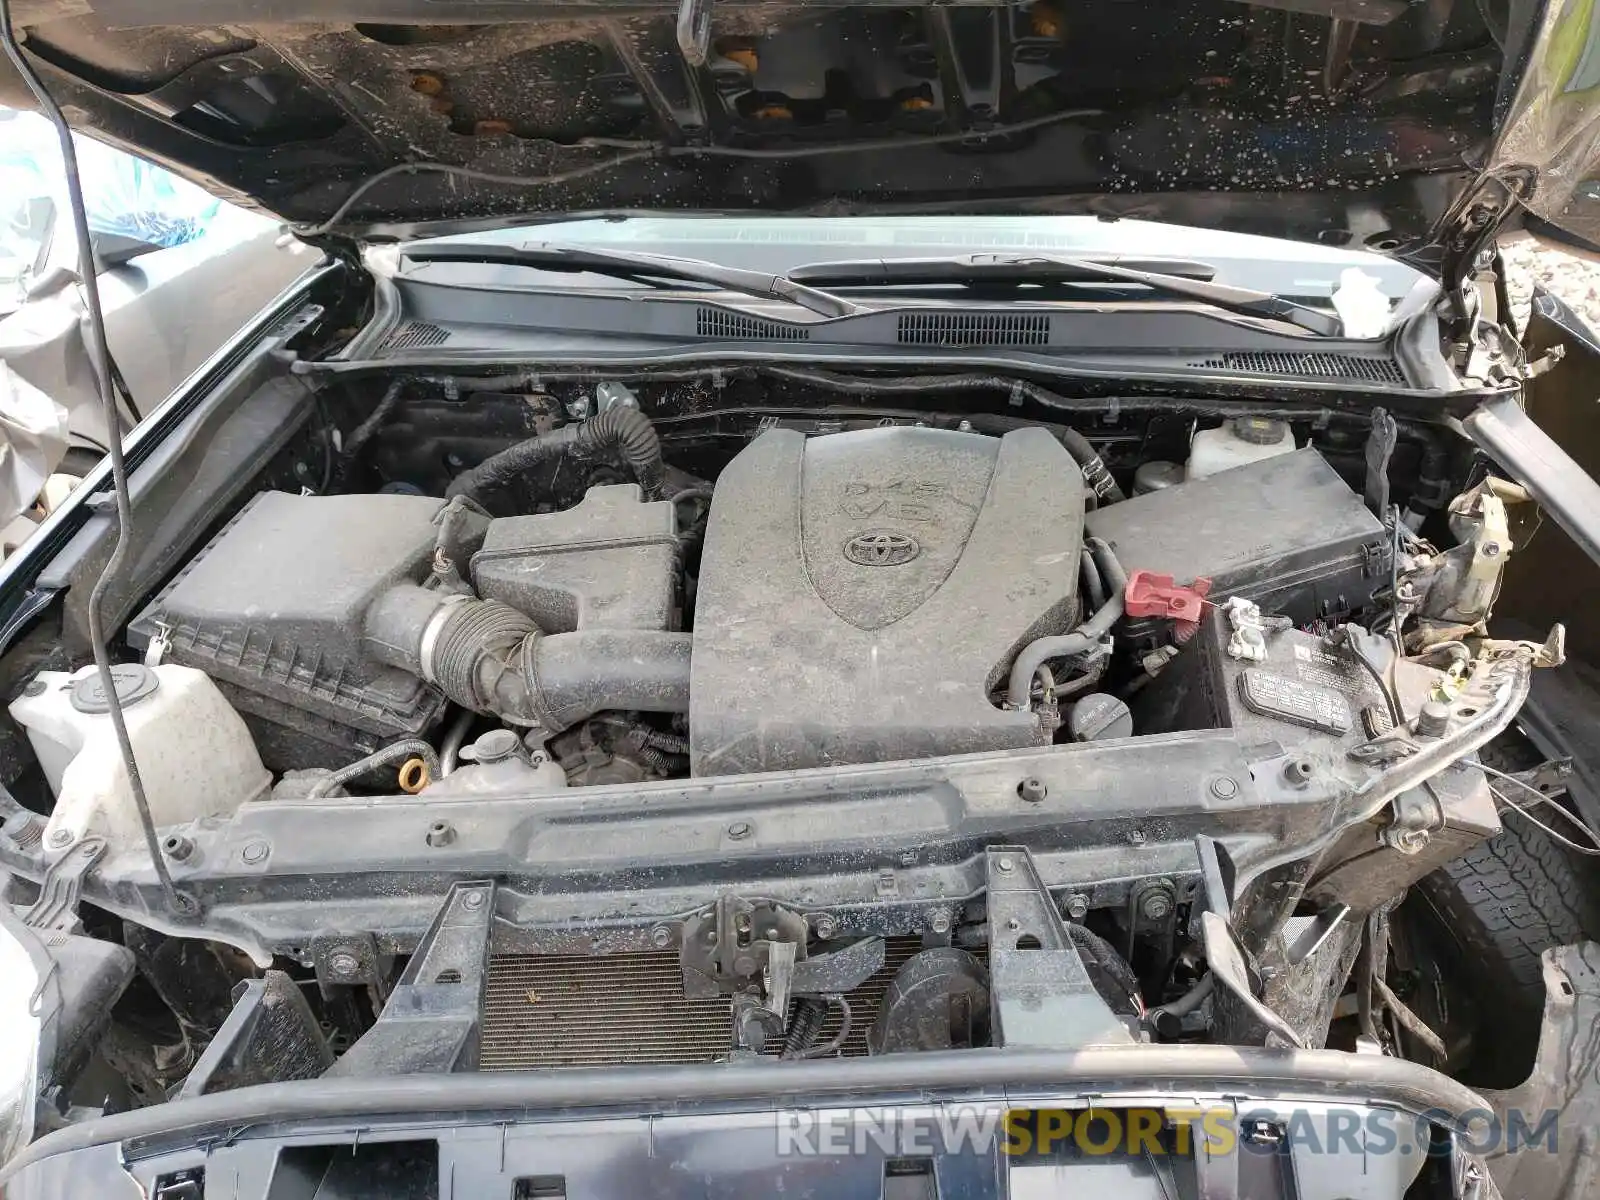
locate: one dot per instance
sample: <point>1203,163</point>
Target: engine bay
<point>767,709</point>
<point>860,595</point>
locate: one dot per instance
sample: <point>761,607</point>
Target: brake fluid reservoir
<point>195,756</point>
<point>1235,442</point>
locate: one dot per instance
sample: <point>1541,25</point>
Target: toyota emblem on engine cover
<point>882,548</point>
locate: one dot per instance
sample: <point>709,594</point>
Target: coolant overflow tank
<point>196,758</point>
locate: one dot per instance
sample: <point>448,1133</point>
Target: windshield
<point>780,244</point>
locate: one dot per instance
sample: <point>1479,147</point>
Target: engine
<point>583,607</point>
<point>859,598</point>
<point>863,593</point>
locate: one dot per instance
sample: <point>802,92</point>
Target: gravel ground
<point>1575,280</point>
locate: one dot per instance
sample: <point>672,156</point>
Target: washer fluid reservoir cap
<point>1258,431</point>
<point>133,682</point>
<point>496,746</point>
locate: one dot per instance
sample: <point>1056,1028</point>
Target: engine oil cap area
<point>133,682</point>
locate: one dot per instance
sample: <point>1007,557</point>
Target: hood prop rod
<point>178,903</point>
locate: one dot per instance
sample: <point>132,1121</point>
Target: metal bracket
<point>432,1021</point>
<point>728,946</point>
<point>1042,993</point>
<point>838,971</point>
<point>57,905</point>
<point>1469,227</point>
<point>1415,816</point>
<point>1553,778</point>
<point>1152,913</point>
<point>346,960</point>
<point>1386,748</point>
<point>755,951</point>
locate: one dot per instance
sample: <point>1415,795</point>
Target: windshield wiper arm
<point>632,264</point>
<point>997,268</point>
<point>1179,280</point>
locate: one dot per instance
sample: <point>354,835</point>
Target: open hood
<point>1413,127</point>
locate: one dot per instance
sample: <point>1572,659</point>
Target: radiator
<point>572,1010</point>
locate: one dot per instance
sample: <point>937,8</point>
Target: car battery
<point>1311,699</point>
<point>1283,685</point>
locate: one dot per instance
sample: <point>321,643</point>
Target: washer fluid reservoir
<point>1236,442</point>
<point>195,756</point>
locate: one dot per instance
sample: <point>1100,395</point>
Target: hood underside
<point>1406,127</point>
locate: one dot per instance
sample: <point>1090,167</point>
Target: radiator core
<point>573,1010</point>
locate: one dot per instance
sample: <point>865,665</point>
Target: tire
<point>1507,901</point>
<point>1503,904</point>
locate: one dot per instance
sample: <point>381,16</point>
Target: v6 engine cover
<point>861,594</point>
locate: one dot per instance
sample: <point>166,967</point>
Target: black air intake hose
<point>623,432</point>
<point>490,658</point>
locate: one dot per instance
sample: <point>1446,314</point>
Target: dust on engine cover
<point>861,594</point>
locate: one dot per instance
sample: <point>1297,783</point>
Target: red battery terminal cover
<point>1149,594</point>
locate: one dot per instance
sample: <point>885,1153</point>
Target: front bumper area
<point>829,1127</point>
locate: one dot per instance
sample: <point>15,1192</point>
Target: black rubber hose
<point>1190,1000</point>
<point>629,433</point>
<point>1081,640</point>
<point>395,752</point>
<point>381,412</point>
<point>1093,585</point>
<point>490,658</point>
<point>623,432</point>
<point>1433,482</point>
<point>1112,976</point>
<point>498,470</point>
<point>575,675</point>
<point>833,1044</point>
<point>1095,472</point>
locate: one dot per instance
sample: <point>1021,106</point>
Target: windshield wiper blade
<point>875,272</point>
<point>632,264</point>
<point>1181,283</point>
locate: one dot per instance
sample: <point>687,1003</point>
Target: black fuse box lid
<point>1286,532</point>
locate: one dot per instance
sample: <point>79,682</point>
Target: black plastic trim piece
<point>1310,364</point>
<point>1375,1079</point>
<point>1125,373</point>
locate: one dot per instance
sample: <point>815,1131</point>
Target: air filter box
<point>272,609</point>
